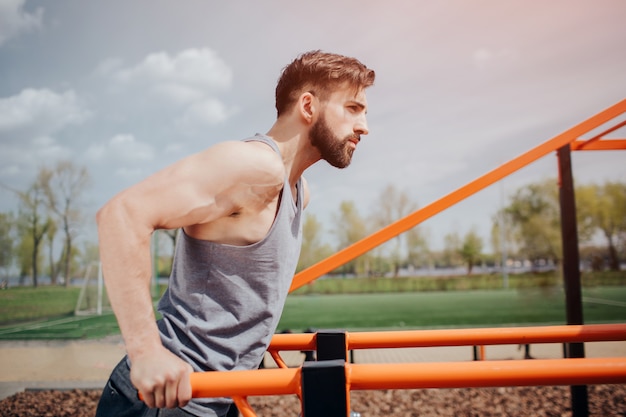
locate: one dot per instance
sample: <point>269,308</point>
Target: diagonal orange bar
<point>601,135</point>
<point>538,372</point>
<point>366,244</point>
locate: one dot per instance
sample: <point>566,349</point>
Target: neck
<point>295,148</point>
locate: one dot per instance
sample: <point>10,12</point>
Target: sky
<point>125,88</point>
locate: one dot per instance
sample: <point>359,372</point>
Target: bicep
<point>183,194</point>
<point>202,187</point>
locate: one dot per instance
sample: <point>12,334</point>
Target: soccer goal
<point>93,299</point>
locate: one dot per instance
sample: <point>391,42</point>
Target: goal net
<point>93,299</point>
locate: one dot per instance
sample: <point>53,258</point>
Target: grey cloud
<point>14,20</point>
<point>33,113</point>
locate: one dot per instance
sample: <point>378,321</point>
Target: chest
<point>241,228</point>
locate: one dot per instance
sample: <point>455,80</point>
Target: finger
<point>184,389</point>
<point>159,397</point>
<point>147,397</point>
<point>171,393</point>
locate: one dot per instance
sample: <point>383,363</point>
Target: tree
<point>471,249</point>
<point>392,206</point>
<point>63,186</point>
<point>350,228</point>
<point>606,211</point>
<point>52,264</point>
<point>7,246</point>
<point>34,226</point>
<point>313,250</point>
<point>534,218</point>
<point>418,252</point>
<point>451,250</point>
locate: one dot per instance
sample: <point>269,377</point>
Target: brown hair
<point>319,72</point>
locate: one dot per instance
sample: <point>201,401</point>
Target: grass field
<point>350,312</point>
<point>21,304</point>
<point>448,309</point>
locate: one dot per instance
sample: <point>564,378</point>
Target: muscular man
<point>239,207</point>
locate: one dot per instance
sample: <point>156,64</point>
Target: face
<point>344,113</point>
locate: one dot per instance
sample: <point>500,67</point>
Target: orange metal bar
<point>293,341</point>
<point>542,372</point>
<point>481,350</point>
<point>246,383</point>
<point>601,145</point>
<point>539,372</point>
<point>606,132</point>
<point>244,407</point>
<point>461,337</point>
<point>241,384</point>
<point>366,244</point>
<point>278,359</point>
<point>487,336</point>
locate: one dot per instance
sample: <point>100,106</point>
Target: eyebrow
<point>359,105</point>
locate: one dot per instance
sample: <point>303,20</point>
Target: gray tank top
<point>223,302</point>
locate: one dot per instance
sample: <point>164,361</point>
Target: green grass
<point>67,327</point>
<point>544,280</point>
<point>47,312</point>
<point>26,303</point>
<point>445,309</point>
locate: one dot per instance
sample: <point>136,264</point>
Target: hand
<point>162,378</point>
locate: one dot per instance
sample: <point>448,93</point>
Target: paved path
<point>87,364</point>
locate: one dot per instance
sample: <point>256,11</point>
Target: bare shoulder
<point>250,162</point>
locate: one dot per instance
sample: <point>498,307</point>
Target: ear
<point>308,106</point>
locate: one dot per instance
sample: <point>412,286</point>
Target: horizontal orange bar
<point>293,341</point>
<point>461,337</point>
<point>246,383</point>
<point>600,145</point>
<point>538,372</point>
<point>488,336</point>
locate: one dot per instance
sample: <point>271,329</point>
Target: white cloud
<point>48,149</point>
<point>209,111</point>
<point>122,147</point>
<point>20,163</point>
<point>34,113</point>
<point>14,20</point>
<point>190,80</point>
<point>192,69</point>
<point>108,66</point>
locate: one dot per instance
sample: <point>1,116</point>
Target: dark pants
<point>120,399</point>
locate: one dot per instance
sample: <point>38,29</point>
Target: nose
<point>361,126</point>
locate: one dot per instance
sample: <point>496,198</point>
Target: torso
<point>251,218</point>
<point>241,228</point>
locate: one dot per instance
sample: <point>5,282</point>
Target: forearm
<point>127,270</point>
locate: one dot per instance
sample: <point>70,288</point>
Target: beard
<point>333,149</point>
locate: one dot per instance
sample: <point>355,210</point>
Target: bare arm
<point>197,190</point>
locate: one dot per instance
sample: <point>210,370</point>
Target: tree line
<point>51,211</point>
<point>527,228</point>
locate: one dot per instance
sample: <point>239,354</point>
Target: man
<point>239,207</point>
